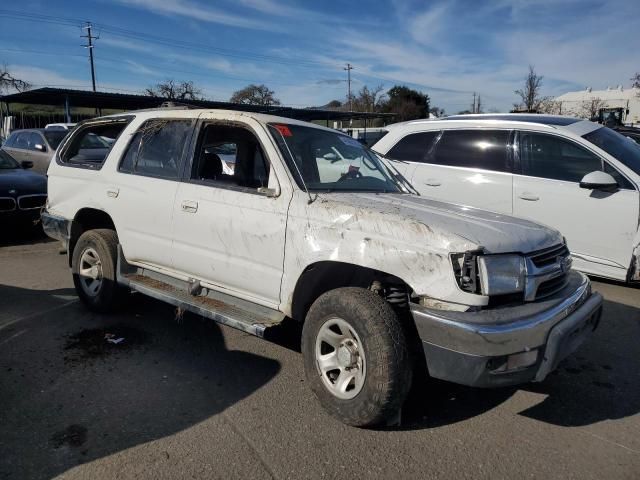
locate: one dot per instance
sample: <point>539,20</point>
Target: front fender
<point>331,231</point>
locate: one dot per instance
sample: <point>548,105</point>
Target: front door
<point>229,214</point>
<point>599,226</point>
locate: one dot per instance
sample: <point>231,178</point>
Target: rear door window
<point>414,147</point>
<point>158,148</point>
<point>485,149</point>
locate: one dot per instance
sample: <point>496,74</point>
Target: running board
<point>220,307</point>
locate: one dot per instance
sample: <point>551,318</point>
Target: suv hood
<point>494,232</point>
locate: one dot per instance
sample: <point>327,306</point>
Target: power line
<point>130,34</point>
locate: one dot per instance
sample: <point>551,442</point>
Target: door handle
<point>189,206</point>
<point>113,192</point>
<point>432,182</point>
<point>529,197</point>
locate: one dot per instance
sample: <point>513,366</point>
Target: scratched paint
<point>404,235</point>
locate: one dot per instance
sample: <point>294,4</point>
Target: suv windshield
<point>54,137</point>
<point>323,160</point>
<point>7,161</point>
<point>618,146</point>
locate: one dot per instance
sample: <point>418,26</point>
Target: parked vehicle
<point>59,126</point>
<point>573,175</point>
<point>22,193</point>
<point>34,145</point>
<point>382,279</point>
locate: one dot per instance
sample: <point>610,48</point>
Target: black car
<point>22,193</point>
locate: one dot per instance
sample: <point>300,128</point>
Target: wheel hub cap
<point>90,271</point>
<point>340,358</point>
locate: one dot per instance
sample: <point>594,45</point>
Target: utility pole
<point>348,68</point>
<point>473,105</point>
<point>90,46</point>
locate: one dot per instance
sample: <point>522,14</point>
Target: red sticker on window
<point>284,130</point>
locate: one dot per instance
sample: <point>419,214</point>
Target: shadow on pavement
<point>70,396</point>
<point>12,235</point>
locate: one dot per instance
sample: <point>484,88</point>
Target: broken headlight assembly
<point>489,274</point>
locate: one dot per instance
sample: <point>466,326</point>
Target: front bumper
<point>56,227</point>
<point>472,348</point>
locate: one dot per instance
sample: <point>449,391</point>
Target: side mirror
<point>269,192</point>
<point>40,147</point>
<point>26,164</point>
<point>599,181</point>
<point>330,156</point>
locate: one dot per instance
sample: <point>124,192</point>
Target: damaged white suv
<point>249,219</point>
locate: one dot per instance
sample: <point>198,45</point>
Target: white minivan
<point>574,175</point>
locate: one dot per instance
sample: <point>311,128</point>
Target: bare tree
<point>530,94</point>
<point>368,100</point>
<point>550,106</point>
<point>172,90</point>
<point>255,95</point>
<point>8,82</point>
<point>590,108</point>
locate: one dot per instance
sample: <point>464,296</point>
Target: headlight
<point>501,274</point>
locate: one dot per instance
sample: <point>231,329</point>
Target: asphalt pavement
<point>181,397</point>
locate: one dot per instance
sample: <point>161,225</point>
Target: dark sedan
<point>22,193</point>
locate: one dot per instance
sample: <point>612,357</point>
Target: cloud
<point>194,11</point>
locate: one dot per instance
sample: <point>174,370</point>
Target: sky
<point>447,49</point>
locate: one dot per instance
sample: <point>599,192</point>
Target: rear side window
<point>414,147</point>
<point>486,149</point>
<point>157,148</point>
<point>90,144</point>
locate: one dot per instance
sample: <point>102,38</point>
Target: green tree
<point>406,103</point>
<point>255,95</point>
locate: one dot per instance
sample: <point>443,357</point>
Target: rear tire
<point>93,264</point>
<point>356,356</point>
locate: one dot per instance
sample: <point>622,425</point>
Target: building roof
<point>121,101</point>
<point>618,93</point>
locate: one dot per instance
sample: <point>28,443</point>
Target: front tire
<point>356,356</point>
<point>93,265</point>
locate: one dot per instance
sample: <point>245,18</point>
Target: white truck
<point>382,279</point>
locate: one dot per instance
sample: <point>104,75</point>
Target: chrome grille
<point>548,256</point>
<point>7,204</point>
<point>31,202</point>
<point>547,272</point>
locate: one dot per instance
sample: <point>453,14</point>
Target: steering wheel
<point>351,174</point>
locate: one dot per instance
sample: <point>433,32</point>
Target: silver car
<point>34,145</point>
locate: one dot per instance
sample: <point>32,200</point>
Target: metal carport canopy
<point>121,101</point>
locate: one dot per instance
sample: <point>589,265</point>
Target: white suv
<point>573,175</point>
<point>379,276</point>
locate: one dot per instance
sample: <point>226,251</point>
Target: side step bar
<point>217,306</point>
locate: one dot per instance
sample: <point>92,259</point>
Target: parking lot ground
<point>181,397</point>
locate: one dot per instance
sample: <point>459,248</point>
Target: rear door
<point>599,226</point>
<point>142,197</point>
<point>468,167</point>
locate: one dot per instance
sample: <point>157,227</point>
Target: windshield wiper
<point>386,157</point>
